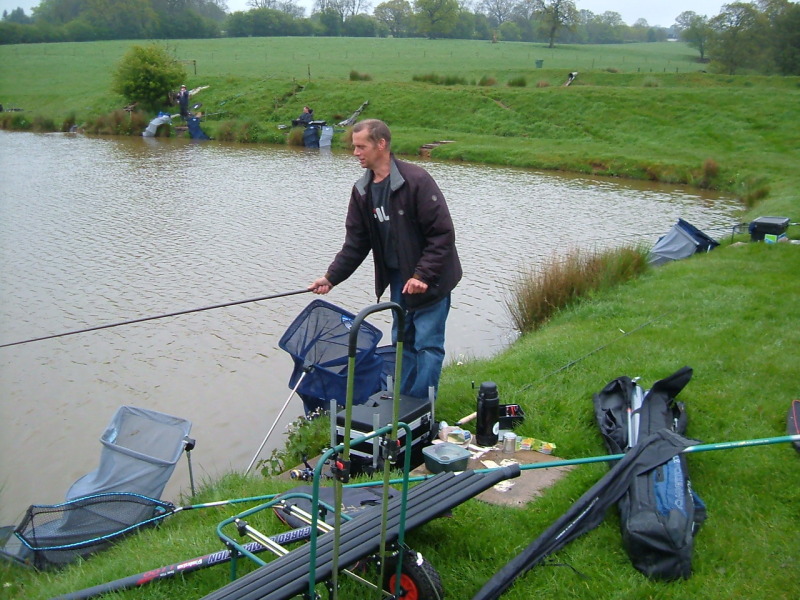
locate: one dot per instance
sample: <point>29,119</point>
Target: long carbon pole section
<point>782,439</point>
<point>143,319</point>
<point>186,566</point>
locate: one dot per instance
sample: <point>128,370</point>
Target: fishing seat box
<point>767,225</point>
<point>417,413</point>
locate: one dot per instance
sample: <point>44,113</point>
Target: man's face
<point>366,151</point>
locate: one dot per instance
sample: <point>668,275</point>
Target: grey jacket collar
<point>396,180</point>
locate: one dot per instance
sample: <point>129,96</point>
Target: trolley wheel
<point>418,579</point>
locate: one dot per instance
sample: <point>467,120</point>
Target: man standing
<point>183,102</point>
<point>398,212</point>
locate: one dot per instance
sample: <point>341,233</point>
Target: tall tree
<point>735,41</point>
<point>784,19</point>
<point>525,9</point>
<point>360,26</point>
<point>694,30</point>
<point>345,8</point>
<point>255,4</point>
<point>556,15</point>
<point>216,10</point>
<point>122,19</point>
<point>436,18</point>
<point>16,16</point>
<point>498,11</point>
<point>396,15</point>
<point>59,12</point>
<point>331,22</point>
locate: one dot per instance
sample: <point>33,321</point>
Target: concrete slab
<point>514,492</point>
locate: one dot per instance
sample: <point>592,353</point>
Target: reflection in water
<point>96,231</point>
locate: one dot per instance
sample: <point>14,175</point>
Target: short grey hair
<point>377,130</point>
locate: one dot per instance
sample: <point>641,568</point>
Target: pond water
<point>95,231</point>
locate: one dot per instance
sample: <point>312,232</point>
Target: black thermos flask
<point>488,414</point>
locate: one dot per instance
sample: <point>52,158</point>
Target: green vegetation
<point>67,20</point>
<point>146,75</point>
<point>732,314</point>
<point>758,36</point>
<point>440,79</point>
<point>557,283</point>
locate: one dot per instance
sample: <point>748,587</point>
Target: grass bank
<point>732,314</point>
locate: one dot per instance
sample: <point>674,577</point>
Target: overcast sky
<point>659,12</point>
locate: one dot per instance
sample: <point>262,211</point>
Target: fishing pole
<point>180,568</point>
<point>550,464</point>
<point>598,349</point>
<point>143,319</point>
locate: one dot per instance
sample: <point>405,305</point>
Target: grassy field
<point>732,314</point>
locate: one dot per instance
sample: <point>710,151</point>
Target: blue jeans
<point>423,342</point>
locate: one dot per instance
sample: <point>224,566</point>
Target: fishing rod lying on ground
<point>184,566</point>
<point>783,439</point>
<point>302,533</point>
<point>598,349</point>
<point>143,319</point>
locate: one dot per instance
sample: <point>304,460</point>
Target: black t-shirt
<point>379,193</point>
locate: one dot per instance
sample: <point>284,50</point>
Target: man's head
<point>376,130</point>
<point>183,87</point>
<point>372,143</point>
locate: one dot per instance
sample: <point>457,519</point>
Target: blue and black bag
<point>660,513</point>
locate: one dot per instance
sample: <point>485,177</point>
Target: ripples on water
<point>96,231</point>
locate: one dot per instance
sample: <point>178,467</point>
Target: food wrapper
<point>529,443</point>
<point>455,435</point>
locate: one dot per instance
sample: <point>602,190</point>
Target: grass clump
<point>295,136</point>
<point>751,189</point>
<point>42,124</point>
<point>356,76</point>
<point>15,121</point>
<point>487,81</point>
<point>69,122</point>
<point>437,79</point>
<point>518,81</point>
<point>121,122</point>
<point>561,281</point>
<point>707,176</point>
<point>226,131</point>
<point>248,131</point>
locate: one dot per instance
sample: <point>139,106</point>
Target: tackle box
<point>510,415</point>
<point>365,457</point>
<point>767,225</point>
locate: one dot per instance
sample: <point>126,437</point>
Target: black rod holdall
<point>660,514</point>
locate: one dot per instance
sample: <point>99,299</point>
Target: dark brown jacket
<point>421,227</point>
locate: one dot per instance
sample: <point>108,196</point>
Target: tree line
<point>504,20</point>
<point>763,35</point>
<point>90,20</point>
